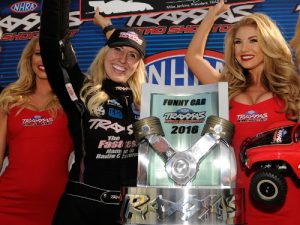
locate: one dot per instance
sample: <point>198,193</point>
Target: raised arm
<point>195,52</point>
<point>55,30</point>
<point>103,22</point>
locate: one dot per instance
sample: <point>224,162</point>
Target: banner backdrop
<point>167,33</point>
<point>121,8</point>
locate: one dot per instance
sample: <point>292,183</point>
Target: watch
<point>108,28</point>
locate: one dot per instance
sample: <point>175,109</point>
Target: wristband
<point>108,28</point>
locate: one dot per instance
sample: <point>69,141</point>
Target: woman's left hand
<point>101,21</point>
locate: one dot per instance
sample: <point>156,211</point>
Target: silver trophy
<point>181,202</point>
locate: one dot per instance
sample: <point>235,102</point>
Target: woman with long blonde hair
<point>263,88</point>
<point>34,127</point>
<point>101,107</point>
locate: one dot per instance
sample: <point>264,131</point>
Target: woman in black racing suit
<point>100,118</point>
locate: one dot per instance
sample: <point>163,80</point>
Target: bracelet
<point>108,28</point>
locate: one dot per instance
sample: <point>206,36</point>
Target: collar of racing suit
<point>114,89</point>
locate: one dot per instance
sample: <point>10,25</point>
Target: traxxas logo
<point>37,121</point>
<point>107,124</point>
<point>186,21</point>
<point>184,115</point>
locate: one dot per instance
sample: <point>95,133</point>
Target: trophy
<point>184,183</point>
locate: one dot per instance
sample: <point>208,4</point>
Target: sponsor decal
<point>115,148</point>
<point>107,124</point>
<point>37,120</point>
<point>117,144</point>
<point>184,115</point>
<point>132,36</point>
<point>278,136</point>
<point>120,88</point>
<point>114,102</point>
<point>252,116</point>
<point>115,113</point>
<point>23,6</point>
<point>100,110</point>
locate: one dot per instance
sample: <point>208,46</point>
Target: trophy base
<point>182,205</point>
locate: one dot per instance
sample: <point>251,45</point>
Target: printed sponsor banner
<point>167,33</point>
<point>121,8</point>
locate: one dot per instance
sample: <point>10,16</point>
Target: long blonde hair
<point>295,41</point>
<point>19,92</point>
<point>91,93</point>
<point>279,74</point>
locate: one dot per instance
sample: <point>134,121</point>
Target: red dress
<point>250,120</point>
<point>39,148</point>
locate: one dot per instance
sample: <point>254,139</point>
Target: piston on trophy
<point>182,166</point>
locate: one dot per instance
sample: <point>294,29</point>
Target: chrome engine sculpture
<point>182,166</point>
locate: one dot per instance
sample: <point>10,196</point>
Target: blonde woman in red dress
<point>34,126</point>
<point>263,88</point>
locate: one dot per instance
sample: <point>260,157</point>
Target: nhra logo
<point>169,68</point>
<point>24,7</point>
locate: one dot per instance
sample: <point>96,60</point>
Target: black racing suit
<point>105,152</point>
